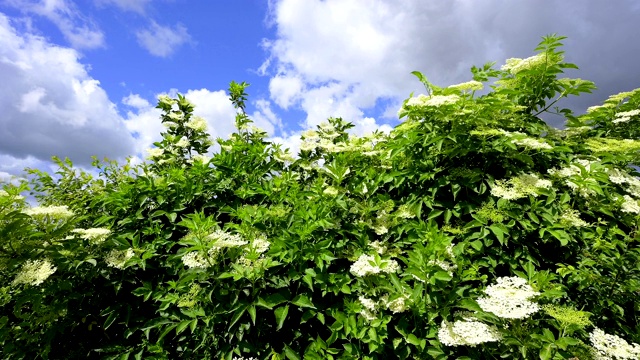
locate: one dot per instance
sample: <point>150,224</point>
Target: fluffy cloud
<point>340,57</point>
<point>63,112</point>
<point>162,41</point>
<point>80,31</point>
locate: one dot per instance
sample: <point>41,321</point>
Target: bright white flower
<point>380,229</point>
<point>260,244</point>
<point>532,143</point>
<point>509,298</point>
<point>628,113</point>
<point>398,305</point>
<point>223,239</point>
<point>155,152</point>
<point>194,259</point>
<point>365,265</point>
<point>612,347</point>
<point>444,265</point>
<point>175,116</point>
<point>368,315</point>
<point>469,85</point>
<point>623,119</point>
<point>470,333</point>
<point>572,217</point>
<point>34,272</point>
<point>591,109</point>
<point>117,258</point>
<point>184,142</point>
<point>164,99</point>
<point>3,193</point>
<point>367,303</point>
<point>519,187</point>
<point>378,247</point>
<point>515,65</point>
<point>54,212</point>
<point>94,235</point>
<point>310,134</point>
<point>630,205</point>
<point>197,123</point>
<point>439,100</point>
<point>199,158</point>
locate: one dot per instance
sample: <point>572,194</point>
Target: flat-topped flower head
<point>467,332</point>
<point>607,346</point>
<point>366,265</point>
<point>519,187</point>
<point>34,272</point>
<point>94,235</point>
<point>155,152</point>
<point>117,258</point>
<point>509,298</point>
<point>469,85</point>
<point>197,123</point>
<point>53,212</point>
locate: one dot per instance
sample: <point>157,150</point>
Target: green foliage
<point>413,245</point>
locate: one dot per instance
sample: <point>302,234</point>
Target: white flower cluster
<point>197,123</point>
<point>199,158</point>
<point>164,99</point>
<point>194,259</point>
<point>509,298</point>
<point>516,65</point>
<point>53,212</point>
<point>34,272</point>
<point>175,116</point>
<point>283,157</point>
<point>630,205</point>
<point>155,152</point>
<point>444,265</point>
<point>531,143</point>
<point>591,109</point>
<point>469,85</point>
<point>369,311</point>
<point>467,332</point>
<point>222,239</point>
<point>404,212</point>
<point>611,347</point>
<point>620,177</point>
<point>6,194</point>
<point>378,247</point>
<point>366,265</point>
<point>94,235</point>
<point>183,142</point>
<point>422,100</point>
<point>398,305</point>
<point>117,258</point>
<point>571,217</point>
<point>519,187</point>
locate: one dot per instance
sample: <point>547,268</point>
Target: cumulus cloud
<point>63,112</point>
<point>340,57</point>
<point>80,31</point>
<point>162,41</point>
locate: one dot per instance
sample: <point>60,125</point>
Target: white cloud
<point>163,41</point>
<point>80,31</point>
<point>339,57</point>
<point>137,6</point>
<point>51,105</point>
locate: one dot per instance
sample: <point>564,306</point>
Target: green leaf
<point>281,315</point>
<point>498,231</point>
<point>290,354</point>
<point>272,300</point>
<point>442,276</point>
<point>183,325</point>
<point>252,312</point>
<point>303,301</point>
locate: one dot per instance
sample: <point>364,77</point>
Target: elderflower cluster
<point>467,332</point>
<point>183,142</point>
<point>378,247</point>
<point>94,235</point>
<point>519,187</point>
<point>175,116</point>
<point>516,65</point>
<point>199,158</point>
<point>422,101</point>
<point>404,212</point>
<point>595,108</point>
<point>53,212</point>
<point>155,152</point>
<point>444,265</point>
<point>531,143</point>
<point>469,85</point>
<point>397,305</point>
<point>630,205</point>
<point>117,258</point>
<point>606,346</point>
<point>571,217</point>
<point>34,272</point>
<point>194,259</point>
<point>331,191</point>
<point>365,265</point>
<point>509,298</point>
<point>223,239</point>
<point>197,123</point>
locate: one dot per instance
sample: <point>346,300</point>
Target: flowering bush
<point>473,230</point>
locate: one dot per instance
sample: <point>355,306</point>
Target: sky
<point>81,78</point>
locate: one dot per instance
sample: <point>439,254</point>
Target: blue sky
<point>81,78</point>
